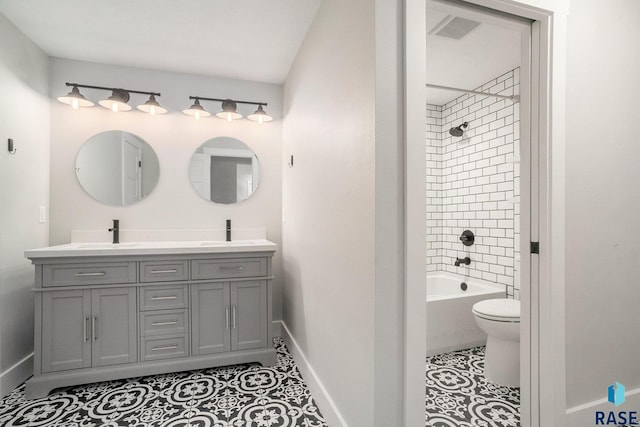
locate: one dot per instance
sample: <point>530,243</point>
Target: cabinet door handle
<point>233,313</point>
<point>167,347</point>
<point>94,321</point>
<point>226,315</point>
<point>164,271</point>
<point>231,267</point>
<point>164,298</point>
<point>84,329</point>
<point>173,322</point>
<point>97,273</point>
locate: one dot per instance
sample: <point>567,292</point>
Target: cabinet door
<point>210,318</point>
<point>249,315</point>
<point>65,330</point>
<point>114,326</point>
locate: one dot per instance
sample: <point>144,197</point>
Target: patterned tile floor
<point>230,396</point>
<point>458,395</point>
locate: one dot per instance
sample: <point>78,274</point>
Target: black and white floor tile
<point>458,395</point>
<point>231,396</point>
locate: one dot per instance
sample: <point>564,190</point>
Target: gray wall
<point>328,204</point>
<point>602,199</point>
<point>173,204</point>
<point>24,116</point>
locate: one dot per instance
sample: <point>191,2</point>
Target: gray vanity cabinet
<point>210,318</point>
<point>65,327</point>
<point>229,316</point>
<point>114,337</point>
<point>88,328</point>
<point>106,317</point>
<point>248,314</point>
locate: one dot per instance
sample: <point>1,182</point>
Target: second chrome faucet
<point>116,231</point>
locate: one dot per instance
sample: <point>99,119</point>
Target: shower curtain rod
<point>514,98</point>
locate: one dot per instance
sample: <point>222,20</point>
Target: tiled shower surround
<point>473,182</point>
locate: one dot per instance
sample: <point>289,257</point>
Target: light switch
<point>42,215</point>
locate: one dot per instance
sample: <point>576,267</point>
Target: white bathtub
<point>450,322</point>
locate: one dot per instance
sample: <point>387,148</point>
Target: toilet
<point>500,320</point>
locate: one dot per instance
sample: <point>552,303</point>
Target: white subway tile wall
<point>473,183</point>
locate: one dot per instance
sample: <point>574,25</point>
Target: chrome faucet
<point>465,261</point>
<point>116,231</point>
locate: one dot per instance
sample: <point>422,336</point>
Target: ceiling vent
<point>454,27</point>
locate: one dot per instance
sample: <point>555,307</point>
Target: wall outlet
<point>42,215</point>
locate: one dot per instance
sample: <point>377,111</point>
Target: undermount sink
<point>232,243</point>
<point>107,245</point>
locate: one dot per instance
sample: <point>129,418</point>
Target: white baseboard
<point>324,401</point>
<point>584,415</point>
<point>16,375</point>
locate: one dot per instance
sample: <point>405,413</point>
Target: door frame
<point>544,385</point>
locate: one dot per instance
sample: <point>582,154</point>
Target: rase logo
<point>615,395</point>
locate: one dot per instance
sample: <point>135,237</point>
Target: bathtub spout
<point>465,261</point>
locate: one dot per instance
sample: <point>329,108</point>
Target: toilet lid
<point>498,309</point>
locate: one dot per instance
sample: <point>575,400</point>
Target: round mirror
<point>224,170</point>
<point>117,168</point>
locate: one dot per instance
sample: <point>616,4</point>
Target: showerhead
<point>459,130</point>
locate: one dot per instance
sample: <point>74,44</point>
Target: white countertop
<point>151,248</point>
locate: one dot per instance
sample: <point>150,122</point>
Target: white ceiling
<point>486,52</point>
<point>252,40</point>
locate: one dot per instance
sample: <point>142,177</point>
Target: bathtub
<point>450,322</point>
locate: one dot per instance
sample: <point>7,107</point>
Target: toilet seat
<point>498,310</point>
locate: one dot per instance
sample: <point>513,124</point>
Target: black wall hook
<point>10,147</point>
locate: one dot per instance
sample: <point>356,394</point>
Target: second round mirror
<point>224,170</point>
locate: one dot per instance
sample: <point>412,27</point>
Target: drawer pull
<point>233,311</point>
<point>173,322</point>
<point>164,271</point>
<point>94,320</point>
<point>232,267</point>
<point>84,329</point>
<point>167,347</point>
<point>97,273</point>
<point>164,298</point>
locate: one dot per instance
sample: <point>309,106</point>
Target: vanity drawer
<point>164,271</point>
<point>228,268</point>
<point>99,273</point>
<point>163,297</point>
<point>163,322</point>
<point>163,348</point>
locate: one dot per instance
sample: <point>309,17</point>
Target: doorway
<point>542,324</point>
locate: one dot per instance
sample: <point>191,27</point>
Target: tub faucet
<point>465,261</point>
<point>116,231</point>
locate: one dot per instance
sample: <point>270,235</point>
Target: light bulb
<point>197,115</point>
<point>152,110</point>
<point>75,104</point>
<point>260,119</point>
<point>229,117</point>
<point>114,107</point>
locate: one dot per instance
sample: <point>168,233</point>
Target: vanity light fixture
<point>260,115</point>
<point>75,99</point>
<point>118,101</point>
<point>152,107</point>
<point>196,110</point>
<point>229,110</point>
